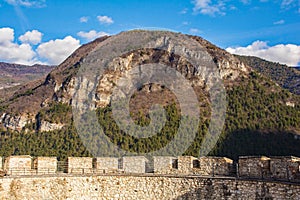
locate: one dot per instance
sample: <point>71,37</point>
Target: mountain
<point>261,117</point>
<point>287,77</point>
<point>14,76</point>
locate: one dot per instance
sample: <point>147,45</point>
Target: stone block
<point>80,165</point>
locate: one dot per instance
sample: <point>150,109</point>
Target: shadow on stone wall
<point>213,190</point>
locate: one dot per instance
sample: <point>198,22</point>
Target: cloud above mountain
<point>14,52</point>
<point>105,19</point>
<point>26,52</point>
<point>283,53</point>
<point>31,37</point>
<point>56,51</point>
<point>91,35</point>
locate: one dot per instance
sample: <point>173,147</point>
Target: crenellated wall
<point>142,187</point>
<point>285,168</point>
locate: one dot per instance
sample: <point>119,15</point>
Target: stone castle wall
<point>285,168</point>
<point>142,187</point>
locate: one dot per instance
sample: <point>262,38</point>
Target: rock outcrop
<point>47,126</point>
<point>15,122</point>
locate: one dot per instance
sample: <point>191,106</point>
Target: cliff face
<point>59,85</point>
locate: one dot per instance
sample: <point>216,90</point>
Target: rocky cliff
<point>24,105</point>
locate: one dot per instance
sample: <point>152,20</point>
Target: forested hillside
<point>287,77</point>
<point>258,122</point>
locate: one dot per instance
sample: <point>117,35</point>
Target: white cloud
<point>21,54</point>
<point>91,35</point>
<point>287,4</point>
<point>279,22</point>
<point>56,51</point>
<point>84,19</point>
<point>13,52</point>
<point>283,53</point>
<point>31,37</point>
<point>246,1</point>
<point>6,35</point>
<point>27,3</point>
<point>219,7</point>
<point>232,7</point>
<point>51,52</point>
<point>105,19</point>
<point>184,11</point>
<point>195,31</point>
<point>206,7</point>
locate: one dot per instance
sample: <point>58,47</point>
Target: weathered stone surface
<point>285,168</point>
<point>185,164</point>
<point>254,166</point>
<point>16,122</point>
<point>107,164</point>
<point>190,165</point>
<point>18,165</point>
<point>47,126</point>
<point>142,187</point>
<point>134,164</point>
<point>80,165</point>
<point>215,165</point>
<point>164,164</point>
<point>45,165</point>
<point>183,185</point>
<point>279,168</point>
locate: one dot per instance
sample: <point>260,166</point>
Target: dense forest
<point>287,77</point>
<point>258,122</point>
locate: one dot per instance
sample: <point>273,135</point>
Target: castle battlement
<point>284,168</point>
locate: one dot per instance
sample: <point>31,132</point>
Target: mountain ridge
<point>15,74</point>
<point>287,77</point>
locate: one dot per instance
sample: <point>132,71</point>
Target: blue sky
<point>43,31</point>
